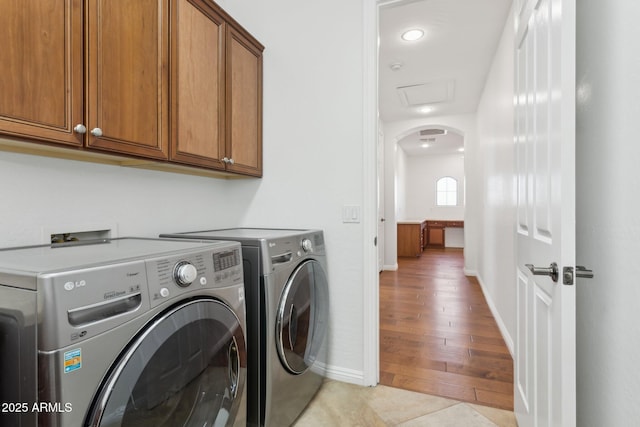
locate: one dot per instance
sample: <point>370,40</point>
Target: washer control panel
<point>172,277</point>
<point>227,265</point>
<point>86,302</point>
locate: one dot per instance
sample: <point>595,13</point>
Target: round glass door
<point>187,368</point>
<point>301,321</point>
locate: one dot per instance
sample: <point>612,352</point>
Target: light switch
<point>351,213</point>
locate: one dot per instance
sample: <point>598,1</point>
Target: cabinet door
<point>127,80</point>
<point>409,240</point>
<point>41,69</point>
<point>244,103</point>
<point>436,236</point>
<point>198,90</point>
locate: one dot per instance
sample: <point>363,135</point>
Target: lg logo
<point>69,286</point>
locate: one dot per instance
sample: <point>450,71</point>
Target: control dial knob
<point>184,273</point>
<point>306,245</point>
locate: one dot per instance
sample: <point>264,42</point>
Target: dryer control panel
<point>281,252</point>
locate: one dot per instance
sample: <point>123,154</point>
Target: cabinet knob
<point>80,128</point>
<point>227,160</point>
<point>97,132</point>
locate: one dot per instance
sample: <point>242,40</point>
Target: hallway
<point>437,334</point>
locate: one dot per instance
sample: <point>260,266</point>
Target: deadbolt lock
<point>567,276</point>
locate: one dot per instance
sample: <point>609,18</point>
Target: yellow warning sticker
<point>72,360</point>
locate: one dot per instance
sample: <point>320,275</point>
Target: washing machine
<point>287,317</point>
<point>123,332</point>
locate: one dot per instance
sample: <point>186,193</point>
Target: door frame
<point>370,300</point>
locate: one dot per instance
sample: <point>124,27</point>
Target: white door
<point>379,183</point>
<point>545,375</point>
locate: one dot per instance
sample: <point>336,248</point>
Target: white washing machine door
<point>187,368</point>
<point>302,317</point>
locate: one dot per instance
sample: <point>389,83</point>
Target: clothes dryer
<point>287,318</point>
<point>126,332</point>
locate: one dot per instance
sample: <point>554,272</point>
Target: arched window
<point>447,191</point>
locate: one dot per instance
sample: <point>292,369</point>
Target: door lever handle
<point>551,271</point>
<point>584,272</point>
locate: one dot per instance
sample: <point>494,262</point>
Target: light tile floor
<point>348,405</point>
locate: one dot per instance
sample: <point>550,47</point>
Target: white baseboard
<point>508,340</point>
<point>468,272</point>
<point>345,375</point>
<point>392,267</point>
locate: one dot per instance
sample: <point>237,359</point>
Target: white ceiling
<point>445,70</point>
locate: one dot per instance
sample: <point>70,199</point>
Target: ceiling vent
<point>426,93</point>
<point>432,132</point>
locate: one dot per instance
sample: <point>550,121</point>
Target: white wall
<point>607,205</point>
<point>314,161</point>
<point>422,174</point>
<point>392,200</point>
<point>45,194</point>
<point>401,184</point>
<point>494,163</point>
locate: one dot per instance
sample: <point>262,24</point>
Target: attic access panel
<point>426,93</point>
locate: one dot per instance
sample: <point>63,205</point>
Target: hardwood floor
<point>437,334</point>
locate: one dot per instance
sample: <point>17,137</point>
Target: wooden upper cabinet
<point>166,80</point>
<point>41,67</point>
<point>216,77</point>
<point>197,81</point>
<point>127,76</point>
<point>244,103</point>
<point>115,87</point>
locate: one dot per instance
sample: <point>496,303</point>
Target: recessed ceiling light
<point>412,35</point>
<point>461,149</point>
<point>425,145</point>
<point>426,110</point>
